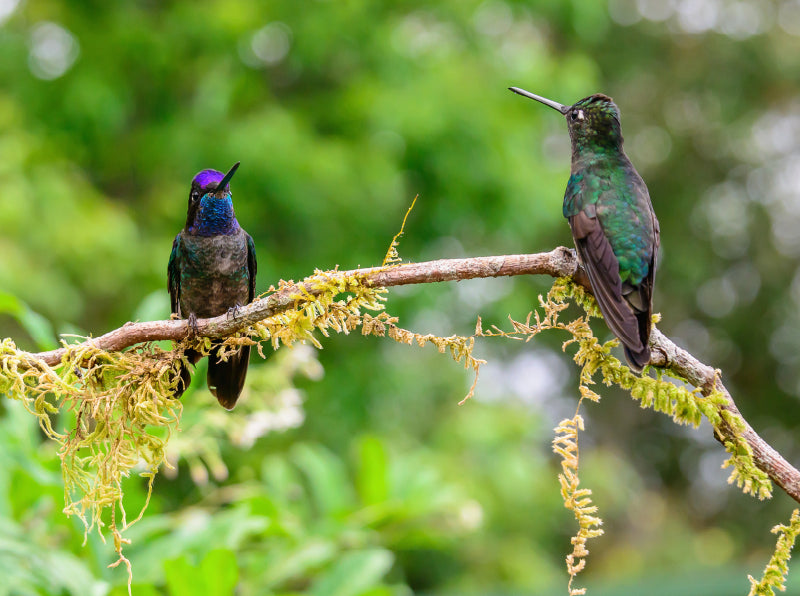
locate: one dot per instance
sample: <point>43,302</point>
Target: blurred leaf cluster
<point>341,112</point>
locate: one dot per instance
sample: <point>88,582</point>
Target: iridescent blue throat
<point>214,217</point>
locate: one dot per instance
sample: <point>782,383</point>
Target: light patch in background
<point>421,33</point>
<point>735,19</point>
<point>536,377</point>
<point>683,113</point>
<point>726,208</point>
<point>773,147</point>
<point>784,234</point>
<point>444,247</point>
<point>478,293</point>
<point>724,214</point>
<point>651,145</point>
<point>709,489</point>
<point>556,149</point>
<point>786,176</point>
<point>470,516</point>
<point>741,20</point>
<point>746,281</point>
<point>266,47</point>
<point>784,345</point>
<point>795,289</point>
<point>493,18</point>
<point>655,10</point>
<point>389,141</point>
<point>777,132</point>
<point>693,336</point>
<point>716,297</point>
<point>433,321</point>
<point>287,413</point>
<point>698,16</point>
<point>522,46</point>
<point>624,12</point>
<point>7,8</point>
<point>789,17</point>
<point>52,50</point>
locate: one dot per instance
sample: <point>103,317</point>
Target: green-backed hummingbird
<point>613,223</point>
<point>211,271</point>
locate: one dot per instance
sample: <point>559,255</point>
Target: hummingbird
<point>613,224</point>
<point>211,271</point>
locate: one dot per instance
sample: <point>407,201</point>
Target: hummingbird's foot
<point>192,321</point>
<point>233,311</point>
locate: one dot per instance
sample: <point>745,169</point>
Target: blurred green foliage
<point>375,482</point>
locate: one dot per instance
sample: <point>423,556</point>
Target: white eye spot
<point>580,114</point>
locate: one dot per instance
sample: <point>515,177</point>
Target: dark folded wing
<point>174,276</point>
<point>252,267</point>
<point>174,286</point>
<point>602,267</point>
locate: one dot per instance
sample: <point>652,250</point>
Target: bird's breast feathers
<point>215,255</point>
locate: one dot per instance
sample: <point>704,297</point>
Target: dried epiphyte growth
<point>683,405</point>
<point>775,572</point>
<point>112,413</point>
<point>108,412</point>
<point>392,256</point>
<point>576,499</point>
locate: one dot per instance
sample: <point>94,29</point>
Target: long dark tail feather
<point>226,379</point>
<point>185,373</point>
<point>637,360</point>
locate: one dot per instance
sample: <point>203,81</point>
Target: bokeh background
<point>351,470</point>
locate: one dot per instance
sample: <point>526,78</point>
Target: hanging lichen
<point>775,572</point>
<point>684,406</point>
<point>112,414</point>
<point>578,500</point>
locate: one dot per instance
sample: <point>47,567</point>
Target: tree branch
<point>559,262</point>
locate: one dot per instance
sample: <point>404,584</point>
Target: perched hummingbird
<point>211,271</point>
<point>613,223</point>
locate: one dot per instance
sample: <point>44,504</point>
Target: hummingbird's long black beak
<point>224,182</point>
<point>548,102</point>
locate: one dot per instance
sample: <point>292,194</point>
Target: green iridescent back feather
<point>603,175</point>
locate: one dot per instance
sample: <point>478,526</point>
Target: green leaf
<point>372,479</point>
<point>281,480</point>
<point>354,573</point>
<point>221,572</point>
<point>182,578</point>
<point>39,328</point>
<point>326,477</point>
<point>298,563</point>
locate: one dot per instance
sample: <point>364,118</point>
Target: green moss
<point>777,569</point>
<point>117,406</point>
<point>684,405</point>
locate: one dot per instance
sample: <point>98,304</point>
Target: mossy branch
<point>733,432</point>
<point>113,416</point>
<point>556,263</point>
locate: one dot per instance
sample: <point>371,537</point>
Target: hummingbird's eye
<point>576,115</point>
